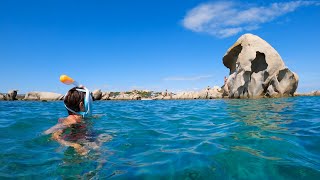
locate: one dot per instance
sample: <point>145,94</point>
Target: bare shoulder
<point>69,121</point>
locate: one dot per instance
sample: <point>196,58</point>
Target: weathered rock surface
<point>162,96</point>
<point>312,93</point>
<point>186,95</point>
<point>2,97</point>
<point>12,94</point>
<point>97,94</point>
<point>215,93</point>
<point>43,96</point>
<point>121,96</point>
<point>105,96</point>
<point>20,96</point>
<point>208,93</point>
<point>257,70</point>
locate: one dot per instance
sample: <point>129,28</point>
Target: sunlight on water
<point>196,139</point>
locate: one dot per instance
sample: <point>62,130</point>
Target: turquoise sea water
<point>196,139</point>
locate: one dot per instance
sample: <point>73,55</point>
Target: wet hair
<point>73,99</point>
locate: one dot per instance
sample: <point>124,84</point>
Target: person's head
<point>74,100</point>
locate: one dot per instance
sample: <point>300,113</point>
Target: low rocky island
<point>256,71</point>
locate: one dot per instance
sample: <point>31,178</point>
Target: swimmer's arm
<point>55,128</point>
<point>60,126</point>
<point>57,136</point>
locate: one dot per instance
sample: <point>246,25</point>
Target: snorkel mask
<point>87,104</point>
<point>87,99</point>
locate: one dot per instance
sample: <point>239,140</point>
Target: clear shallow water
<point>197,139</point>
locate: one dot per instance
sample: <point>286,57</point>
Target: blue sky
<point>119,45</point>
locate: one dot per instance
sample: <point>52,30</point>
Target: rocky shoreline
<point>207,93</point>
<point>256,71</point>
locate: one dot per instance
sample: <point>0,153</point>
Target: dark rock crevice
<point>259,63</point>
<point>243,90</point>
<point>281,74</point>
<point>231,58</point>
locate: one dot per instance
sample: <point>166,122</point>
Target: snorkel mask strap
<point>71,110</point>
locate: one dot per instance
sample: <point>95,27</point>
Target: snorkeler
<point>78,104</point>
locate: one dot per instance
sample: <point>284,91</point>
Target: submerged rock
<point>43,96</point>
<point>257,70</point>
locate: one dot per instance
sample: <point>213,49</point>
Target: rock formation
<point>2,97</point>
<point>131,95</point>
<point>12,94</point>
<point>43,96</point>
<point>257,70</point>
<point>215,93</point>
<point>97,95</point>
<point>312,93</point>
<point>207,93</point>
<point>162,96</point>
<point>105,96</point>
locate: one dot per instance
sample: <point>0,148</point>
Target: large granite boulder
<point>97,94</point>
<point>2,97</point>
<point>12,94</point>
<point>187,95</point>
<point>257,70</point>
<point>135,96</point>
<point>123,96</point>
<point>43,96</point>
<point>215,93</point>
<point>158,97</point>
<point>105,96</point>
<point>207,93</point>
<point>32,96</point>
<point>20,96</point>
<point>316,93</point>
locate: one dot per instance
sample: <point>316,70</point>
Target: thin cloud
<point>195,78</point>
<point>224,19</point>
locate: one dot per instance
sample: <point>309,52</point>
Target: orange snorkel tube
<point>87,100</point>
<point>68,80</point>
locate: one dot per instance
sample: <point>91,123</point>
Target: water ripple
<point>197,139</point>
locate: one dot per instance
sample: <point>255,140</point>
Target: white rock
<point>254,67</point>
<point>43,96</point>
<point>97,94</point>
<point>105,96</point>
<point>2,97</point>
<point>12,94</point>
